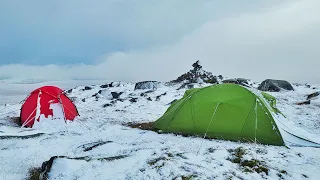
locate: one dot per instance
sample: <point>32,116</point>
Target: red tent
<point>39,101</point>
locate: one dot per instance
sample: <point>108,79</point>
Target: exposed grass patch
<point>185,177</point>
<point>159,162</point>
<point>34,174</point>
<point>156,160</point>
<point>237,154</point>
<point>249,166</point>
<point>143,126</point>
<point>16,120</point>
<point>113,158</point>
<point>188,177</point>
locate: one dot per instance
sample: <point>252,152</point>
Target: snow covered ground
<point>98,146</point>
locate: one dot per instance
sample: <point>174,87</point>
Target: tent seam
<point>253,104</point>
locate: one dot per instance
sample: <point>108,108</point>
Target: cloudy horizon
<point>153,40</point>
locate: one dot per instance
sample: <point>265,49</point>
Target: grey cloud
<point>279,42</point>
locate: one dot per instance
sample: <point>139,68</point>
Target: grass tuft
<point>34,174</point>
<point>252,165</point>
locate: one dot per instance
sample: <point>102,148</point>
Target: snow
<point>128,153</point>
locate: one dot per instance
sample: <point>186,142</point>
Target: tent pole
<point>208,126</point>
<point>256,127</point>
<point>64,115</point>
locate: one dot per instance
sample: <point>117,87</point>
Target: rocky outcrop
<point>197,75</point>
<point>275,85</point>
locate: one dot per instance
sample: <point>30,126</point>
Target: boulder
<point>116,95</point>
<point>147,85</point>
<point>273,85</point>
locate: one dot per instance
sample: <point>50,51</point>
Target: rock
<point>73,99</point>
<point>190,86</point>
<point>83,100</point>
<point>275,85</point>
<point>120,110</point>
<point>197,65</point>
<point>113,102</point>
<point>87,88</point>
<point>133,100</point>
<point>172,101</point>
<point>144,94</point>
<point>158,97</point>
<point>46,167</point>
<point>304,102</point>
<point>311,96</point>
<point>115,84</point>
<point>70,91</point>
<point>149,99</point>
<point>96,95</point>
<point>104,86</point>
<point>147,85</point>
<point>107,105</point>
<point>116,95</point>
<point>240,81</point>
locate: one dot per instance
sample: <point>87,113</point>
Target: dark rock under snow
<point>147,85</point>
<point>273,85</point>
<point>313,95</point>
<point>104,86</point>
<point>116,95</point>
<point>87,88</point>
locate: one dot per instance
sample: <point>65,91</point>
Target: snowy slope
<point>98,146</point>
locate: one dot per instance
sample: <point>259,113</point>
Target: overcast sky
<point>134,40</point>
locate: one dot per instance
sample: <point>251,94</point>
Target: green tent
<point>224,111</point>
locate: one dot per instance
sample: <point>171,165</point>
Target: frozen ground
<point>98,146</point>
